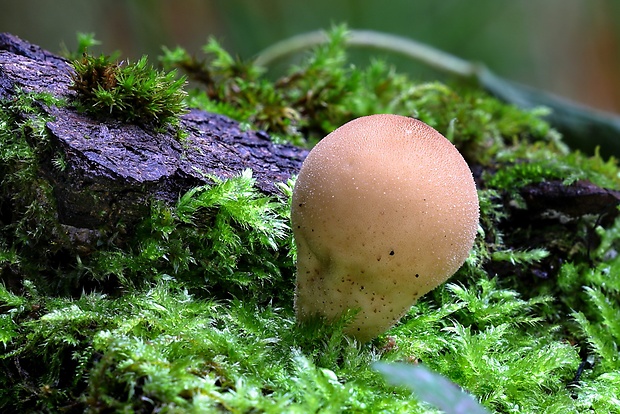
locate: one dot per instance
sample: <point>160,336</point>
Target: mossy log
<point>112,169</point>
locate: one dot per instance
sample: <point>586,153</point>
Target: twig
<point>369,38</point>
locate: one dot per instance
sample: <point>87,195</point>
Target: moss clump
<point>223,240</point>
<point>133,92</point>
<point>194,311</point>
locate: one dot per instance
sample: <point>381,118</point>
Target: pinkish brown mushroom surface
<point>384,210</point>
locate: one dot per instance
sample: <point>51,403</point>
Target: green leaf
<point>430,387</point>
<point>8,329</point>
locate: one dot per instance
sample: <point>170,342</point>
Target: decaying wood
<point>112,168</point>
<point>553,198</point>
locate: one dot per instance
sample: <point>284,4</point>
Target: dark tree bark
<point>113,169</point>
<point>573,201</point>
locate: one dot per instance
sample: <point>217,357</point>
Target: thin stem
<point>369,38</point>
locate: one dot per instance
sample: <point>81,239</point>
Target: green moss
<point>27,223</point>
<point>133,92</point>
<point>226,239</point>
<point>193,312</point>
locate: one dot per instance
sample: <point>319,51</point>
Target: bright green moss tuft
<point>133,92</point>
<point>224,238</point>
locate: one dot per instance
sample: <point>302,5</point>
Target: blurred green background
<point>568,47</point>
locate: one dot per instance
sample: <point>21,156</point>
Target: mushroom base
<point>327,289</point>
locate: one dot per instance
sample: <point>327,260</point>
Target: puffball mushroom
<point>384,210</point>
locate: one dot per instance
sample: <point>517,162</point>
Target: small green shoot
<point>85,41</point>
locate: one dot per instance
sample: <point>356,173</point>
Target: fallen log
<point>113,169</point>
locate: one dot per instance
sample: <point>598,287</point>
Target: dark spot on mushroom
<point>417,275</point>
<point>391,252</point>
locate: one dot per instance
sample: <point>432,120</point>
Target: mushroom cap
<point>384,210</point>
